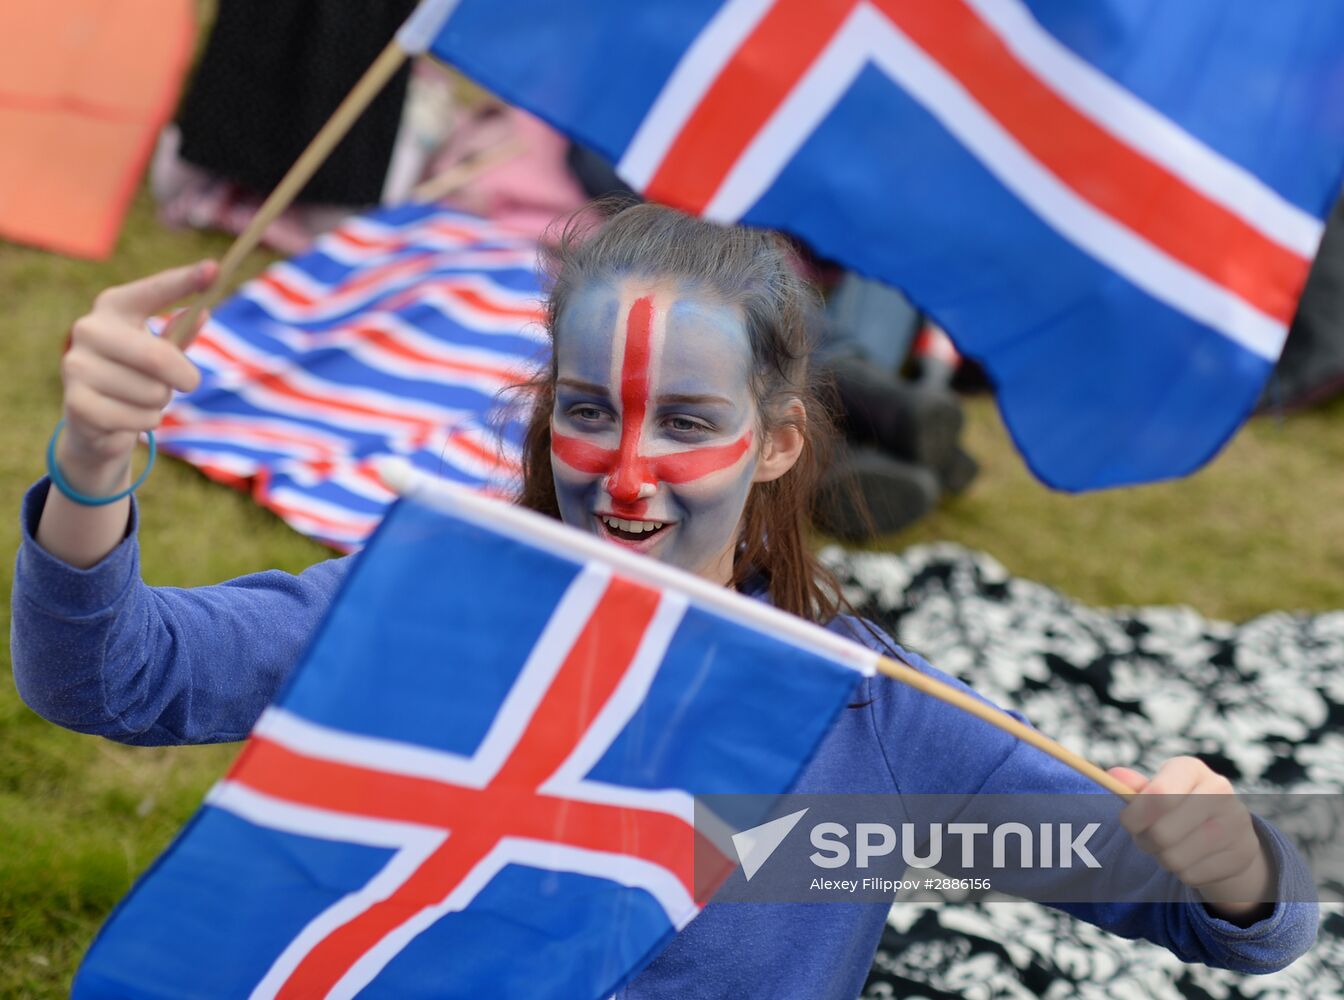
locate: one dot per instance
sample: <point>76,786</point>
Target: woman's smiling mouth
<point>635,533</point>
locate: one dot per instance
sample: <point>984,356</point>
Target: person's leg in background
<point>903,447</point>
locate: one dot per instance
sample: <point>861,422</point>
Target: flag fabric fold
<point>480,780</point>
<point>1112,207</point>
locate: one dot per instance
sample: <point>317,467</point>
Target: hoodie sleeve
<point>99,651</point>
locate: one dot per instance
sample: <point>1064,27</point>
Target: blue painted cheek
<point>709,520</point>
<point>577,498</point>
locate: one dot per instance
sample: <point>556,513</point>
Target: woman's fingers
<point>133,347</point>
<point>124,384</point>
<point>1219,866</point>
<point>92,411</point>
<point>139,300</point>
<point>1179,821</point>
<point>1128,777</point>
<point>118,376</point>
<point>1189,820</point>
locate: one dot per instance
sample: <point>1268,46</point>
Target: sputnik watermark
<point>892,886</point>
<point>1056,848</point>
<point>1059,844</point>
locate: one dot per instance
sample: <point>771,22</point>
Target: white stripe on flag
<point>866,35</point>
<point>361,409</point>
<point>424,24</point>
<point>566,624</point>
<point>826,81</point>
<point>413,845</point>
<point>568,780</point>
<point>547,856</point>
<point>265,810</point>
<point>544,661</point>
<point>697,70</point>
<point>1120,248</point>
<point>1148,131</point>
<point>311,739</point>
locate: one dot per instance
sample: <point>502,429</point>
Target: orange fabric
<point>85,86</point>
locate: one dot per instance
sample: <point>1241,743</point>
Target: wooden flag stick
<point>997,717</point>
<point>370,84</point>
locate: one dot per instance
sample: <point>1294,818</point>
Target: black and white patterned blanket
<point>1262,702</point>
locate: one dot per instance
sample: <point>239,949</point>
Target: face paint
<point>653,422</point>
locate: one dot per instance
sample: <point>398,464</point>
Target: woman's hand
<point>118,378</point>
<point>1188,818</point>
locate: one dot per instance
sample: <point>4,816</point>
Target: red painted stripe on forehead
<point>635,363</point>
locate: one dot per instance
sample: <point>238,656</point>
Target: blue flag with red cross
<point>479,782</point>
<point>1111,205</point>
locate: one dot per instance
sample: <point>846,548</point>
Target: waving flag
<point>1112,205</point>
<point>479,782</point>
<point>393,336</point>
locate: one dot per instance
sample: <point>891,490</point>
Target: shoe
<point>957,473</point>
<point>908,421</point>
<point>937,422</point>
<point>868,493</point>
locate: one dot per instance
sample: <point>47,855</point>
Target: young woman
<point>676,419</point>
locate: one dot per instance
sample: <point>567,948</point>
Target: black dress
<point>272,73</point>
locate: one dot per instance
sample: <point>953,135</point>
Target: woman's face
<point>653,434</point>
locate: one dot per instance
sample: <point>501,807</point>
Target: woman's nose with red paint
<point>632,480</point>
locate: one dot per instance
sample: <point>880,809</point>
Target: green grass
<point>1261,529</point>
<point>80,818</point>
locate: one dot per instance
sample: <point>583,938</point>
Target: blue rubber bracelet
<point>58,480</point>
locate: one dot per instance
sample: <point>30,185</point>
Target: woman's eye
<point>589,414</point>
<point>684,425</point>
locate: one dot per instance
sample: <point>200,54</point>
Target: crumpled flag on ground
<point>394,335</point>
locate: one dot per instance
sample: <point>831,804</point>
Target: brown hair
<point>757,271</point>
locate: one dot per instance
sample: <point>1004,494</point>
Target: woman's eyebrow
<point>590,388</point>
<point>693,399</point>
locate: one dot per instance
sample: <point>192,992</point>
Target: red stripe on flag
<point>465,293</point>
<point>258,376</point>
<point>176,426</point>
<point>740,102</point>
<point>1118,179</point>
<point>402,268</point>
<point>1113,176</point>
<point>509,806</point>
<point>597,662</point>
<point>395,346</point>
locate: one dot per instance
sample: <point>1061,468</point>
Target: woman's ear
<point>783,445</point>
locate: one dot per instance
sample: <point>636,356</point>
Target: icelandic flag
<point>479,782</point>
<point>392,336</point>
<point>1112,205</point>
